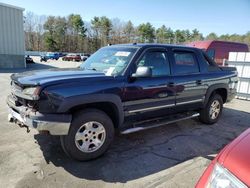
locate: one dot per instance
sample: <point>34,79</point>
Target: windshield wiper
<point>94,69</point>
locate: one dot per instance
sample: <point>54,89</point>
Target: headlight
<point>29,91</point>
<point>222,178</point>
<point>32,91</point>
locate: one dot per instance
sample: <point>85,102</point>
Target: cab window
<point>185,63</point>
<point>157,61</point>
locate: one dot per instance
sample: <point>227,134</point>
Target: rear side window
<point>185,63</point>
<point>211,53</point>
<point>211,64</point>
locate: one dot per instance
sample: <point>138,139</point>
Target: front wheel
<point>212,112</point>
<point>90,135</point>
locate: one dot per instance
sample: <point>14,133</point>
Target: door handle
<point>198,82</point>
<point>171,84</point>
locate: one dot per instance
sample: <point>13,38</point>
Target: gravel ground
<point>170,156</point>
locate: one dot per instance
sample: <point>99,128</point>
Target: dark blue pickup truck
<point>130,87</point>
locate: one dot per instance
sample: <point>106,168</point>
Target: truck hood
<point>40,77</point>
<point>236,157</point>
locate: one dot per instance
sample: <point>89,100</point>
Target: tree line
<point>72,34</point>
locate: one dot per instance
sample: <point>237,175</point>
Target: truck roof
<point>146,45</point>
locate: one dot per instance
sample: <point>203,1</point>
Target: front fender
<point>71,102</point>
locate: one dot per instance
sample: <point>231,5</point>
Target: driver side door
<point>148,94</point>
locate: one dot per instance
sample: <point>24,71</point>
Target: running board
<point>152,123</point>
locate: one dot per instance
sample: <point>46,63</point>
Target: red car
<point>72,57</point>
<point>219,50</point>
<point>231,167</point>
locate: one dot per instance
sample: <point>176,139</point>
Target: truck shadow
<point>145,153</point>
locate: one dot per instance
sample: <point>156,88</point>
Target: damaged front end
<point>24,111</point>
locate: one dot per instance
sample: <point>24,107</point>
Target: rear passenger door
<point>188,83</point>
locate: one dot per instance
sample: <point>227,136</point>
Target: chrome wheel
<point>90,136</point>
<point>215,109</point>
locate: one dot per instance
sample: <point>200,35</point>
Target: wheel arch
<point>221,89</point>
<point>109,103</point>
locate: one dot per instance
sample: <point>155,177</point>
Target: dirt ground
<point>174,155</point>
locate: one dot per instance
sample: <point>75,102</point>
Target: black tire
<point>69,144</point>
<point>205,115</point>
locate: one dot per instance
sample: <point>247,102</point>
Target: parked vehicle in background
<point>28,59</point>
<point>84,56</point>
<point>49,55</point>
<point>72,57</point>
<point>231,167</point>
<point>219,50</point>
<point>130,87</point>
<point>62,54</point>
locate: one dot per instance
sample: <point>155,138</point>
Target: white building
<point>12,46</point>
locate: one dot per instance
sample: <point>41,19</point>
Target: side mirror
<point>142,72</point>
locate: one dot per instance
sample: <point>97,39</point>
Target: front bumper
<point>55,124</point>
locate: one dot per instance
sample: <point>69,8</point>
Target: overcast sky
<point>219,16</point>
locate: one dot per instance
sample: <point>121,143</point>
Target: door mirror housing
<point>142,72</point>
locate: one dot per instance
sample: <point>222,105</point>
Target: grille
<point>15,86</point>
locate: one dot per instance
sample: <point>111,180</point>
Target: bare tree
<point>129,31</point>
<point>29,24</point>
<point>39,20</point>
<point>117,32</point>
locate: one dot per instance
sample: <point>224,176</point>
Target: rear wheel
<point>212,112</point>
<point>90,135</point>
